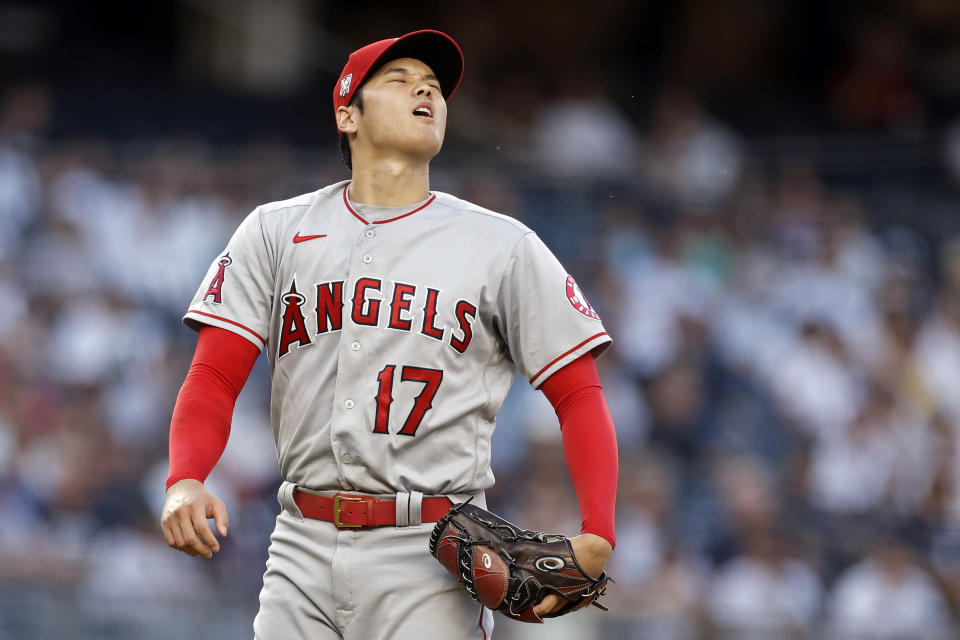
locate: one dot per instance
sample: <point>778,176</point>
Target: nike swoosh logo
<point>297,239</point>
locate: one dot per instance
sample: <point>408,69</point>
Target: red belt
<point>349,511</point>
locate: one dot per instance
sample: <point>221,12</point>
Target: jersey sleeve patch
<point>578,300</point>
<point>215,288</point>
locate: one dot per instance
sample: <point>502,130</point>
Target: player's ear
<point>347,119</point>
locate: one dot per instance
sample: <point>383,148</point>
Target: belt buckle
<point>337,499</point>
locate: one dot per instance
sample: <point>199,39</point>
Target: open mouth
<point>423,112</point>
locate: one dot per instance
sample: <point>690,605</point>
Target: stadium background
<point>760,198</point>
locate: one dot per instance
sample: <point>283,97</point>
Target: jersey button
<point>346,458</point>
<point>355,345</point>
<point>367,259</point>
<point>348,404</point>
<point>370,233</point>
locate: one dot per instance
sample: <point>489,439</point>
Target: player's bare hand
<point>185,515</point>
<point>592,553</point>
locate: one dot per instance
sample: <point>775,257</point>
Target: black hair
<point>357,100</point>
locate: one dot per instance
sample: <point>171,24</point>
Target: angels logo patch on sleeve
<point>578,300</point>
<point>215,290</point>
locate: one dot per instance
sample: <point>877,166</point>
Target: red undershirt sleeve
<point>589,442</point>
<point>201,419</point>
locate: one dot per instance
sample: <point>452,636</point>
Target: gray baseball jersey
<point>393,334</point>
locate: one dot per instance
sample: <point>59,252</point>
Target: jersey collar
<point>346,201</point>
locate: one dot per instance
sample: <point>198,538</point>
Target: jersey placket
<point>352,393</point>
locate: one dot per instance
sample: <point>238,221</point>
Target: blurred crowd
<point>784,379</point>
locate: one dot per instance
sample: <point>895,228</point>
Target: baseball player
<point>393,318</point>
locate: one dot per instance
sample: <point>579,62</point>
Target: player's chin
<point>425,145</point>
<point>429,130</point>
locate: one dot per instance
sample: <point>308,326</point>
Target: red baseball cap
<point>434,48</point>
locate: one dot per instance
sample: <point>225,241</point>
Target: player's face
<point>403,110</point>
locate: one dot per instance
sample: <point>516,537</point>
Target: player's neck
<point>390,183</point>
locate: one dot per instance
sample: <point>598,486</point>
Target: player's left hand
<point>592,552</point>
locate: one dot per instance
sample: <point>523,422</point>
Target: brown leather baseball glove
<point>510,569</point>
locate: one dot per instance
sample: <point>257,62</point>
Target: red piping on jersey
<point>346,201</point>
<point>237,324</point>
<point>481,624</point>
<point>565,354</point>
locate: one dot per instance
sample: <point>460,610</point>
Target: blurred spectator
<point>887,595</point>
<point>659,585</point>
<point>764,593</point>
<point>690,157</point>
<point>814,383</point>
<point>24,114</point>
<point>874,87</point>
<point>938,351</point>
<point>647,492</point>
<point>580,132</point>
<point>661,299</point>
<point>855,469</point>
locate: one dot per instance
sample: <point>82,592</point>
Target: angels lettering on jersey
<point>372,302</point>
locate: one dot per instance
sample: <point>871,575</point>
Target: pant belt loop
<point>285,498</point>
<point>402,505</point>
<point>416,503</point>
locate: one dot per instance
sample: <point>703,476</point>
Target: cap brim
<point>434,48</point>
